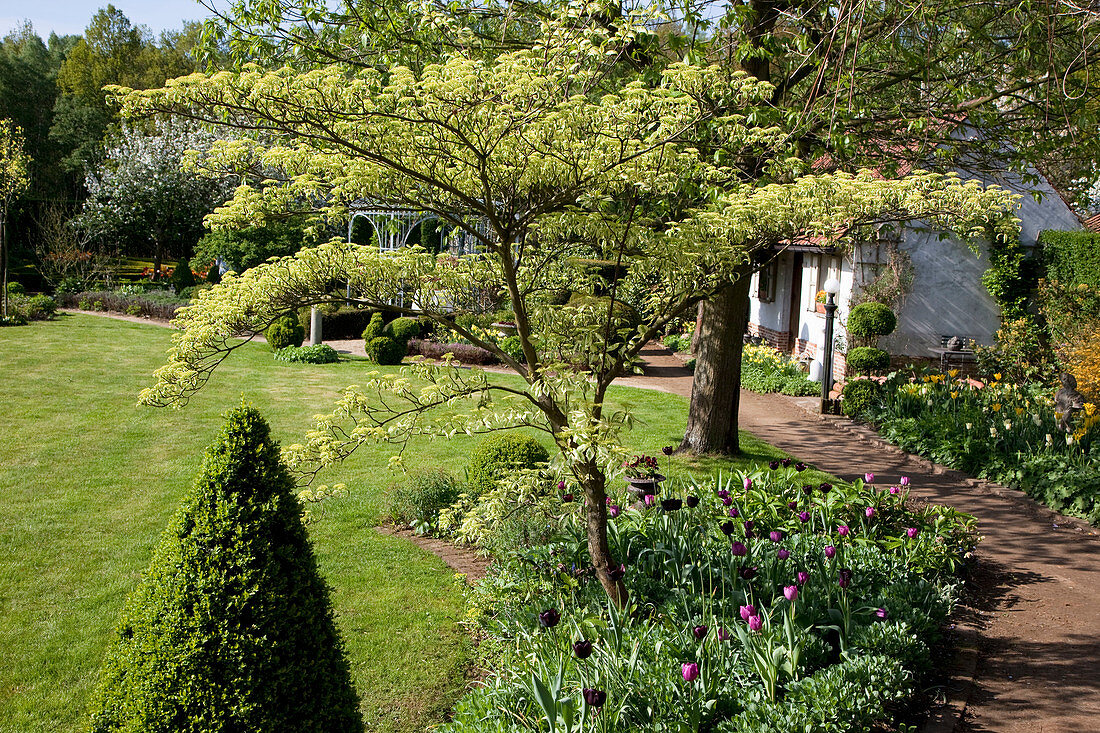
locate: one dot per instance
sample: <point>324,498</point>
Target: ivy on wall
<point>1071,258</point>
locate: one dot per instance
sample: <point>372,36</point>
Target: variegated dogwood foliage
<point>520,152</point>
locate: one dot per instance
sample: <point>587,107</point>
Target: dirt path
<point>1035,603</point>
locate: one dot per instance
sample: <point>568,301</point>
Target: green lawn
<point>88,481</point>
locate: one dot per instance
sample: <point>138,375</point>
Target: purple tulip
<point>746,611</point>
<point>692,501</point>
<point>790,592</point>
<point>582,648</point>
<point>749,524</point>
<point>783,553</point>
<point>785,462</point>
<point>699,632</point>
<point>617,574</point>
<point>800,466</point>
<point>825,487</point>
<point>561,486</point>
<point>649,499</point>
<point>690,670</point>
<point>775,535</point>
<point>726,501</point>
<point>733,512</point>
<point>912,532</point>
<point>773,465</point>
<point>869,478</point>
<point>722,494</point>
<point>747,572</point>
<point>792,505</point>
<point>747,483</point>
<point>802,577</point>
<point>723,635</point>
<point>613,511</point>
<point>672,505</point>
<point>739,549</point>
<point>904,481</point>
<point>842,530</point>
<point>595,698</point>
<point>727,528</point>
<point>894,490</point>
<point>844,577</point>
<point>567,498</point>
<point>803,517</point>
<point>549,618</point>
<point>881,614</point>
<point>830,552</point>
<point>869,512</point>
<point>807,489</point>
<point>668,450</point>
<point>755,623</point>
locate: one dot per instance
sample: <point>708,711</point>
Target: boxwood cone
<point>232,627</point>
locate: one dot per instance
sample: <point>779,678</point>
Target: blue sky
<point>71,16</point>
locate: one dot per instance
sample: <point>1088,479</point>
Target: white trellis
<point>392,226</point>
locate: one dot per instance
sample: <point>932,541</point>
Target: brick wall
<point>775,339</point>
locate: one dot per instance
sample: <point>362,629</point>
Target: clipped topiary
<point>182,277</point>
<point>867,360</point>
<point>232,627</point>
<point>859,396</point>
<point>385,351</point>
<point>402,329</point>
<point>374,328</point>
<point>500,453</point>
<point>285,331</point>
<point>870,320</point>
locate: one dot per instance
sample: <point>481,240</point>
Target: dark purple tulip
<point>912,532</point>
<point>672,505</point>
<point>739,549</point>
<point>723,635</point>
<point>802,577</point>
<point>722,494</point>
<point>582,648</point>
<point>749,524</point>
<point>746,611</point>
<point>668,450</point>
<point>734,512</point>
<point>803,517</point>
<point>785,462</point>
<point>617,574</point>
<point>726,501</point>
<point>775,535</point>
<point>690,670</point>
<point>692,502</point>
<point>613,511</point>
<point>567,498</point>
<point>549,618</point>
<point>792,504</point>
<point>773,465</point>
<point>747,572</point>
<point>825,487</point>
<point>807,489</point>
<point>699,632</point>
<point>881,613</point>
<point>844,577</point>
<point>595,698</point>
<point>755,623</point>
<point>800,466</point>
<point>783,554</point>
<point>830,552</point>
<point>727,528</point>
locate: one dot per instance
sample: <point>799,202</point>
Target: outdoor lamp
<point>831,288</point>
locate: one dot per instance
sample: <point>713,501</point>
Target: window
<point>765,282</point>
<point>820,267</point>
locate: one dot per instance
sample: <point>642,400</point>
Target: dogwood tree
<point>13,181</point>
<point>523,154</point>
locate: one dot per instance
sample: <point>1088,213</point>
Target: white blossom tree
<point>13,181</point>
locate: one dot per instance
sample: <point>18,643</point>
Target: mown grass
<point>88,481</point>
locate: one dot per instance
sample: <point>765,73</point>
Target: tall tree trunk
<point>4,263</point>
<point>594,483</point>
<point>716,391</point>
<point>158,257</point>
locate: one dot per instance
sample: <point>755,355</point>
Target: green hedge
<point>1071,258</point>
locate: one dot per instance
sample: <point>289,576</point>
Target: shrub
<point>182,277</point>
<point>870,320</point>
<point>34,308</point>
<point>419,499</point>
<point>402,329</point>
<point>13,319</point>
<point>15,288</point>
<point>374,327</point>
<point>160,304</point>
<point>867,359</point>
<point>316,354</point>
<point>346,323</point>
<point>859,396</point>
<point>1071,257</point>
<point>385,351</point>
<point>500,453</point>
<point>285,331</point>
<point>513,347</point>
<point>763,369</point>
<point>465,353</point>
<point>232,626</point>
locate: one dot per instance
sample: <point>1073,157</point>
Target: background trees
<point>13,181</point>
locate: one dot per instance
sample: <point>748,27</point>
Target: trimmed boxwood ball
<point>500,453</point>
<point>860,395</point>
<point>867,359</point>
<point>285,331</point>
<point>402,329</point>
<point>232,627</point>
<point>386,351</point>
<point>868,320</point>
<point>374,328</point>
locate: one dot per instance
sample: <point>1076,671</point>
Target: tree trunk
<point>158,258</point>
<point>594,483</point>
<point>716,391</point>
<point>3,264</point>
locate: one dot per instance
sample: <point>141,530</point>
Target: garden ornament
<point>1068,400</point>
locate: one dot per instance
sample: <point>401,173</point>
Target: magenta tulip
<point>912,532</point>
<point>869,512</point>
<point>830,552</point>
<point>904,481</point>
<point>802,577</point>
<point>746,611</point>
<point>790,592</point>
<point>783,553</point>
<point>690,670</point>
<point>803,517</point>
<point>869,478</point>
<point>755,623</point>
<point>842,530</point>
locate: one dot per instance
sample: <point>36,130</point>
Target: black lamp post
<point>831,288</point>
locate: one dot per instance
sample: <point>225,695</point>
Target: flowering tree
<point>141,192</point>
<point>13,181</point>
<point>521,153</point>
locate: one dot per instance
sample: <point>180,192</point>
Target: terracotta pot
<point>820,307</point>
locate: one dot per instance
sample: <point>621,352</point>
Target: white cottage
<point>947,297</point>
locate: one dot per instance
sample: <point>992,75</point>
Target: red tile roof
<point>1093,223</point>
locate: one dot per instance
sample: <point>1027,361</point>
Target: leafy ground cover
<point>759,602</point>
<point>88,481</point>
<point>1003,431</point>
<point>763,369</point>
